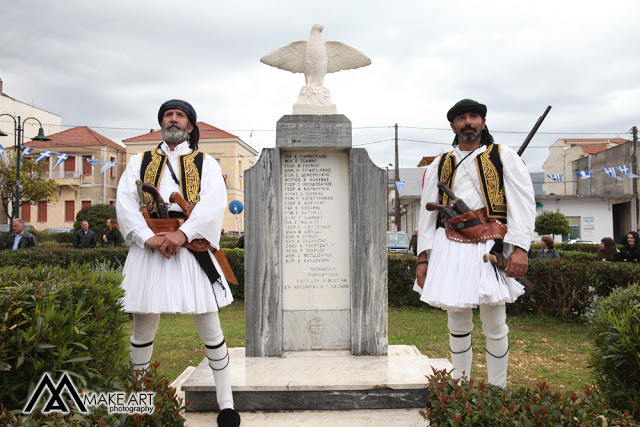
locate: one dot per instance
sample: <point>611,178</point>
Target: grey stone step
<point>318,380</point>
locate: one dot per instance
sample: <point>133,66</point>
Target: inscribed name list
<point>316,230</point>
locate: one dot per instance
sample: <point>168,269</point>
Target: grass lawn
<point>542,348</point>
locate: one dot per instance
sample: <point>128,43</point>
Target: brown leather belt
<point>474,227</point>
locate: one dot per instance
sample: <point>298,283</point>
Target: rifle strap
<point>173,174</point>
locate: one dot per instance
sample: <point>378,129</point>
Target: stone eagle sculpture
<point>315,59</point>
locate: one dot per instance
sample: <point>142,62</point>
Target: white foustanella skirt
<point>458,278</point>
<point>154,284</point>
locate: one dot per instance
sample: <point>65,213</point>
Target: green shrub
<point>236,261</point>
<point>582,247</point>
<point>167,405</point>
<point>615,358</point>
<point>471,403</point>
<point>401,275</point>
<point>97,216</point>
<point>59,320</point>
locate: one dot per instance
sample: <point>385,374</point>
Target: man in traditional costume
<point>451,273</point>
<point>161,276</point>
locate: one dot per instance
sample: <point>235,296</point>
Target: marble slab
<point>319,380</point>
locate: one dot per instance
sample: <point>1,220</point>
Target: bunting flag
<point>107,166</point>
<point>556,176</point>
<point>612,173</point>
<point>1,154</point>
<point>420,184</point>
<point>625,171</point>
<point>92,162</point>
<point>43,155</point>
<point>61,158</point>
<point>584,174</point>
<point>399,185</point>
<point>26,151</point>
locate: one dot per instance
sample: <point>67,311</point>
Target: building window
<point>575,224</point>
<point>86,203</point>
<point>25,212</point>
<point>42,211</point>
<point>86,166</point>
<point>112,170</point>
<point>69,210</point>
<point>70,164</point>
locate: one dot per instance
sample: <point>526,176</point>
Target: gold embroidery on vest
<point>494,195</point>
<point>191,186</point>
<point>153,175</point>
<point>445,175</point>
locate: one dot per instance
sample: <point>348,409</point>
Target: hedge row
<point>70,320</point>
<point>563,287</point>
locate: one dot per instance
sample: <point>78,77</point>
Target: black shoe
<point>228,418</point>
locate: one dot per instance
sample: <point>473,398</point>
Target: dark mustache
<point>468,127</point>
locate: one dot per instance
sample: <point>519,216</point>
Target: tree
<point>34,188</point>
<point>96,216</point>
<point>552,223</point>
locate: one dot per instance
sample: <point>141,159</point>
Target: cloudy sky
<point>109,65</point>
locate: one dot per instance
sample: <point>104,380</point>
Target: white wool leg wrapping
<point>460,326</point>
<point>496,330</point>
<point>208,325</point>
<point>141,347</point>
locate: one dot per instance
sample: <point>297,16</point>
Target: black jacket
<point>84,241</point>
<point>28,240</point>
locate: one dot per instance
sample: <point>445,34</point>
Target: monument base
<point>318,380</point>
<point>314,109</point>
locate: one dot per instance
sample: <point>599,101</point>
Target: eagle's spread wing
<point>289,57</point>
<point>343,57</point>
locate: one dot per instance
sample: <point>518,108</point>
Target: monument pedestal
<point>319,380</point>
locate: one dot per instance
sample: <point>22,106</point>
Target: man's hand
<point>172,242</point>
<point>517,263</point>
<point>421,269</point>
<point>154,242</point>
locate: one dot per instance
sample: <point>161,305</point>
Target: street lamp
<point>18,143</point>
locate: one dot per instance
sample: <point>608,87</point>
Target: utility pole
<point>634,169</point>
<point>396,185</point>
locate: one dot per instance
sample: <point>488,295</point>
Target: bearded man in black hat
<point>451,273</point>
<point>161,276</point>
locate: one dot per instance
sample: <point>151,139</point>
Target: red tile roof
<point>206,132</point>
<point>426,161</point>
<point>590,140</point>
<point>592,149</point>
<point>81,136</point>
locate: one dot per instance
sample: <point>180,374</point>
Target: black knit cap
<point>466,106</point>
<point>177,104</point>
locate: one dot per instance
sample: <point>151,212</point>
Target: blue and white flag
<point>92,162</point>
<point>556,176</point>
<point>1,154</point>
<point>26,151</point>
<point>584,174</point>
<point>612,173</point>
<point>107,166</point>
<point>625,171</point>
<point>61,158</point>
<point>399,185</point>
<point>420,183</point>
<point>44,155</point>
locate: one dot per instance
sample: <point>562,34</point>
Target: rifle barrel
<point>533,131</point>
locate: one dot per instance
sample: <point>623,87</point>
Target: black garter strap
<point>213,347</point>
<point>226,356</point>
<point>499,357</point>
<point>460,336</point>
<point>140,345</point>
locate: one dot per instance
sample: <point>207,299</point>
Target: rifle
<point>533,131</point>
<point>187,208</point>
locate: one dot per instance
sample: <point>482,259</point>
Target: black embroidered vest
<point>491,176</point>
<point>189,174</point>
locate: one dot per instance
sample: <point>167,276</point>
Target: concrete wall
<point>596,214</point>
<point>601,183</point>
